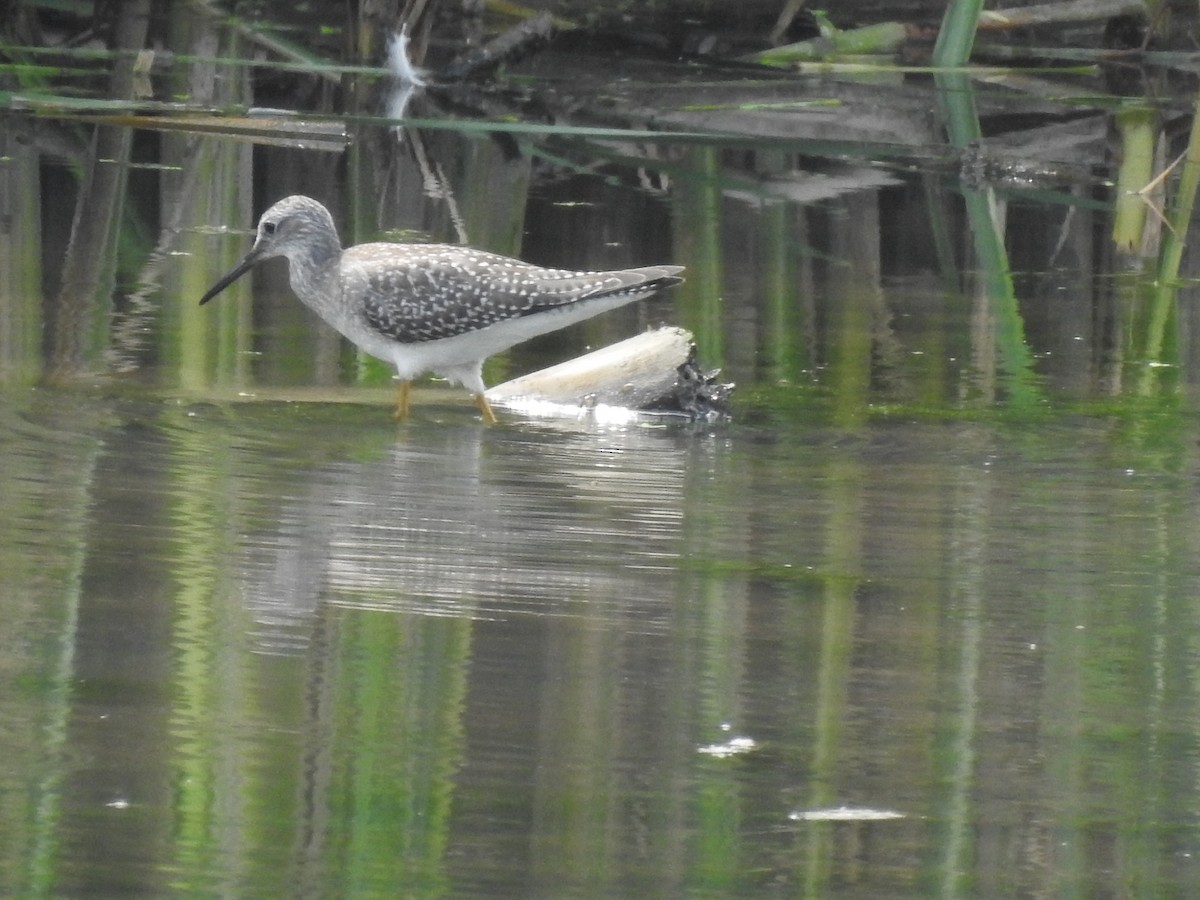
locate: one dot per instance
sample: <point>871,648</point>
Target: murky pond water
<point>920,619</point>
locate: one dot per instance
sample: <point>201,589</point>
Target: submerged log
<point>652,372</point>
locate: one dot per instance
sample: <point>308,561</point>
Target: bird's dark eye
<point>268,227</point>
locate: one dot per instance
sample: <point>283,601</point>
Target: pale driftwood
<point>638,373</point>
<point>628,373</point>
<point>1051,13</point>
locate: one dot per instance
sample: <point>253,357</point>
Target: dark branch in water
<point>697,393</point>
<point>530,35</point>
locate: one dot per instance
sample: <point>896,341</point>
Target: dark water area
<point>918,619</point>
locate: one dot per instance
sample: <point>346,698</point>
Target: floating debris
<point>400,64</point>
<point>845,814</point>
<point>732,747</point>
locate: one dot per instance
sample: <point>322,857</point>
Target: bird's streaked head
<point>295,226</point>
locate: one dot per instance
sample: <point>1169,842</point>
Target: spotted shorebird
<point>434,308</point>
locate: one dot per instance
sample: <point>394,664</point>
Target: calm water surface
<point>292,650</point>
<point>922,619</point>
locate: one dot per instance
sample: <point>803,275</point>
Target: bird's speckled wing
<point>426,292</point>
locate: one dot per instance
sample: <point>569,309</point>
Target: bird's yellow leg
<point>402,397</point>
<point>485,408</point>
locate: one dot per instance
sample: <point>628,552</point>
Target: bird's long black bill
<point>234,274</point>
